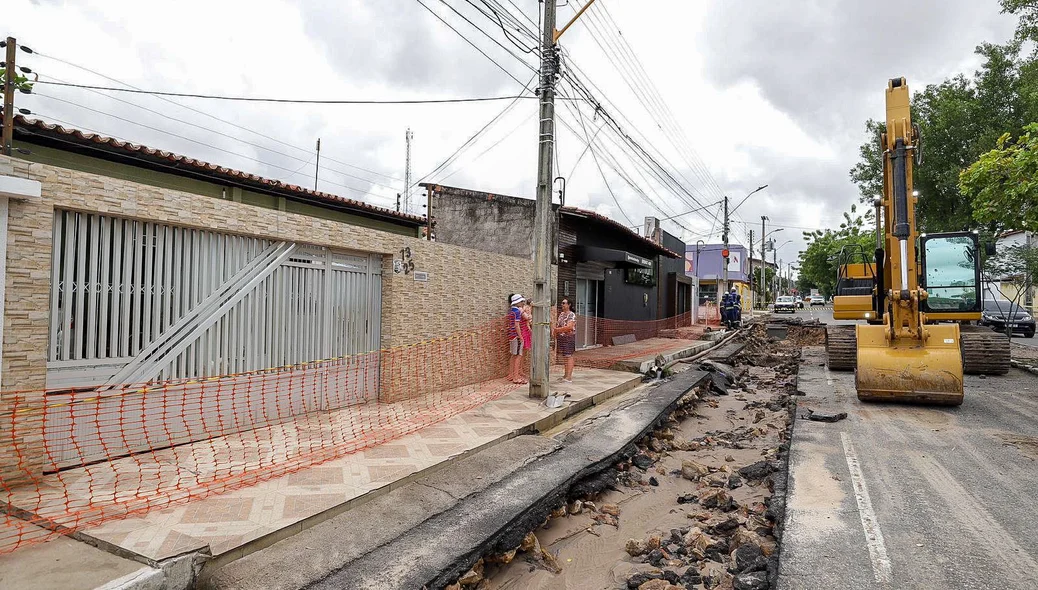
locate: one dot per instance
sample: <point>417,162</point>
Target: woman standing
<point>565,332</point>
<point>525,323</point>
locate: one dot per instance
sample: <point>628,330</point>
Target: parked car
<point>998,312</point>
<point>817,300</point>
<point>785,303</point>
<point>799,301</point>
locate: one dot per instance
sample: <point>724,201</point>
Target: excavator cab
<point>950,274</point>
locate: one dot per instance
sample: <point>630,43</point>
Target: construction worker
<point>736,301</point>
<point>723,306</point>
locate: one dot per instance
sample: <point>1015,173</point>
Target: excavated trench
<point>698,503</point>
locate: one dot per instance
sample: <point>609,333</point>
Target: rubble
<point>705,475</point>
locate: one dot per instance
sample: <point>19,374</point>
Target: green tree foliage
<point>1006,179</point>
<point>960,119</point>
<point>820,260</point>
<point>20,82</point>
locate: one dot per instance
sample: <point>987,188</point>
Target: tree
<point>819,261</point>
<point>960,119</point>
<point>1006,179</point>
<point>1016,267</point>
<point>20,82</point>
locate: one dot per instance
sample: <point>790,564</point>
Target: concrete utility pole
<point>724,238</point>
<point>8,133</point>
<point>753,291</point>
<point>539,361</point>
<point>763,240</point>
<point>317,166</point>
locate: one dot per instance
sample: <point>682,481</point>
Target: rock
<point>691,578</point>
<point>636,580</point>
<point>590,506</point>
<point>641,461</point>
<point>688,499</point>
<point>700,515</point>
<point>655,557</point>
<point>473,576</point>
<point>505,557</point>
<point>724,526</point>
<point>715,498</point>
<point>734,481</point>
<point>636,547</point>
<point>454,586</point>
<point>666,434</point>
<point>653,481</point>
<point>575,507</point>
<point>657,445</point>
<point>612,509</point>
<point>655,541</point>
<point>759,415</point>
<point>751,581</point>
<point>748,558</point>
<point>671,576</point>
<point>530,544</point>
<point>729,458</point>
<point>693,471</point>
<point>559,512</point>
<point>675,549</point>
<point>697,542</point>
<point>745,537</point>
<point>716,480</point>
<point>658,584</point>
<point>757,471</point>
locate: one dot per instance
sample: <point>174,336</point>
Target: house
<point>131,265</point>
<point>612,272</point>
<point>707,263</point>
<point>1008,287</point>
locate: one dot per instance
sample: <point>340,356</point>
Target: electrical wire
<point>403,101</point>
<point>210,116</point>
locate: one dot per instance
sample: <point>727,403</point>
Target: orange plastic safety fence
<point>70,460</point>
<point>74,459</point>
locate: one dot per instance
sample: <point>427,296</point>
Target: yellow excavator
<point>917,343</point>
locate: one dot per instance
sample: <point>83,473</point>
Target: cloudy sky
<point>725,95</point>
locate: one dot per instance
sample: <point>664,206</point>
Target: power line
<point>469,41</point>
<point>209,115</point>
<point>291,100</point>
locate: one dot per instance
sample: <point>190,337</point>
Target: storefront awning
<point>621,258</point>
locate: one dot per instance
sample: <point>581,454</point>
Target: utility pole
<point>8,134</point>
<point>317,167</point>
<point>539,361</point>
<point>763,239</point>
<point>753,290</point>
<point>724,238</point>
<point>408,136</point>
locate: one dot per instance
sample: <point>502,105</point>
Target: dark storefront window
<point>640,276</point>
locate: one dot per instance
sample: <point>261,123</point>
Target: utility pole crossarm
<point>556,34</point>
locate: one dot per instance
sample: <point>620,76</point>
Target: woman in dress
<point>565,332</point>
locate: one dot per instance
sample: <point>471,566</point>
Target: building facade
<point>611,271</point>
<point>131,265</point>
<point>706,262</point>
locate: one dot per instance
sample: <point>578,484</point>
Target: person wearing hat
<point>515,339</point>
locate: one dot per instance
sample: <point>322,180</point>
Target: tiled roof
<point>175,162</point>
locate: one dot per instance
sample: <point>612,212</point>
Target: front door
<point>588,292</point>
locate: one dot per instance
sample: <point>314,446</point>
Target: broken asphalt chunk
<point>822,417</point>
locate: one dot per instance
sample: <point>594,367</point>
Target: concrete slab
<point>63,564</point>
<point>637,357</point>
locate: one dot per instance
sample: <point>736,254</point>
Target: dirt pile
<point>699,503</point>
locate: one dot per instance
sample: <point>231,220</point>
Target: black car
<point>998,312</point>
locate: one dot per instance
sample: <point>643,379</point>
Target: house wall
<point>466,287</point>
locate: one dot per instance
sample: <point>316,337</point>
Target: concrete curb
<point>442,548</point>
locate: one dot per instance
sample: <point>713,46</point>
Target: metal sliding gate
<point>134,302</point>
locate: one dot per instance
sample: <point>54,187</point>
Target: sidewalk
<point>239,521</point>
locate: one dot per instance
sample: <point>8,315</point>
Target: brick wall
<point>465,287</point>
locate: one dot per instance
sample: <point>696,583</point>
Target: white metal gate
<point>138,302</point>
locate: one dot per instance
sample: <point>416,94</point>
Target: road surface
<point>903,496</point>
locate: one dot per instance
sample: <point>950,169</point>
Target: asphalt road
<point>908,496</point>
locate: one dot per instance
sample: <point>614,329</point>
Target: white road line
<point>873,536</point>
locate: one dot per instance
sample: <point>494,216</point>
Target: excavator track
<point>984,351</point>
<point>841,348</point>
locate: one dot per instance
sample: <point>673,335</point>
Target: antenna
<point>408,136</point>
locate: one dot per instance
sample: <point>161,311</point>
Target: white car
<point>785,303</point>
<point>817,300</point>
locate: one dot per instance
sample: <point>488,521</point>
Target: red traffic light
<point>725,252</point>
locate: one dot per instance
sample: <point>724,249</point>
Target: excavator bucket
<point>908,369</point>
